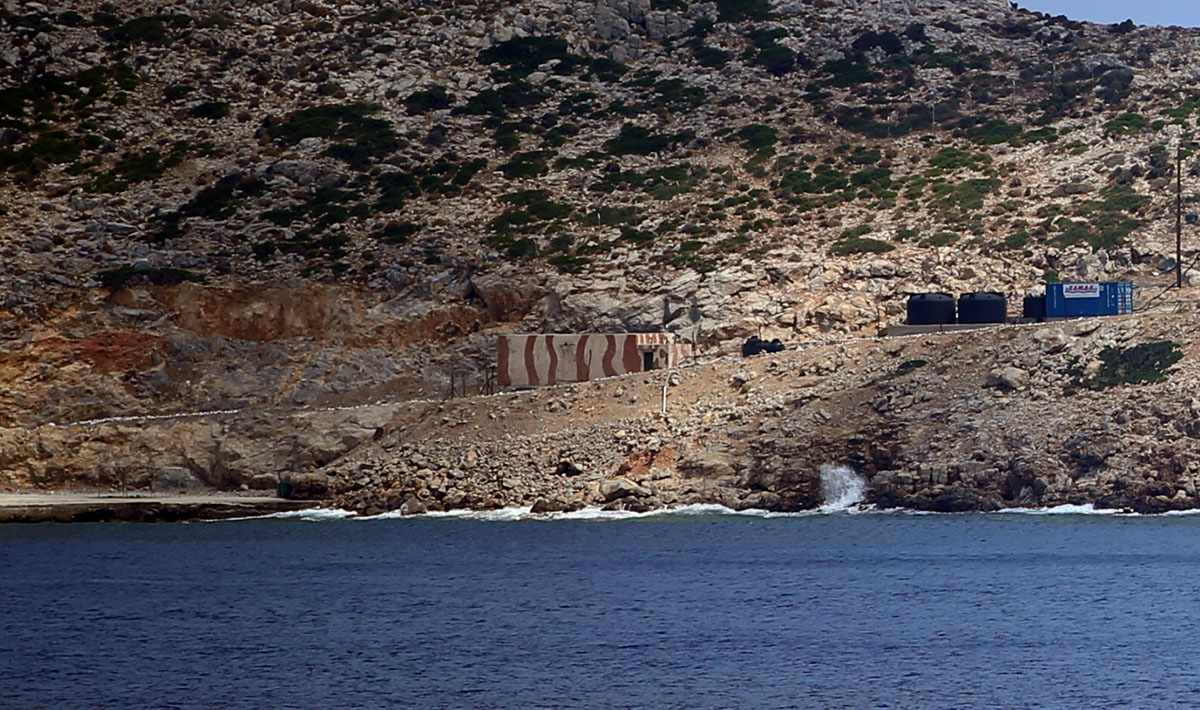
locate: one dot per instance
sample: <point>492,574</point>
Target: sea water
<point>693,609</point>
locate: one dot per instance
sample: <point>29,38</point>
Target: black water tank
<point>982,307</point>
<point>1034,307</point>
<point>930,309</point>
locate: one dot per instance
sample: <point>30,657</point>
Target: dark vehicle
<point>755,345</point>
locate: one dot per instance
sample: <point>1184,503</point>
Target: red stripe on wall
<point>530,364</point>
<point>631,359</point>
<point>502,375</point>
<point>607,369</point>
<point>552,374</point>
<point>581,363</point>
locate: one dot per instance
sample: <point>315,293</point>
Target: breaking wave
<point>311,515</point>
<point>840,507</point>
<point>841,488</point>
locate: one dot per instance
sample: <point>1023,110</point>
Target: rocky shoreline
<point>107,508</point>
<point>1085,412</point>
<point>1095,411</point>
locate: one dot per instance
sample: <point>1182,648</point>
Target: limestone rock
<point>176,478</point>
<point>613,489</point>
<point>1010,378</point>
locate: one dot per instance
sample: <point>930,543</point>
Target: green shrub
<point>1117,198</point>
<point>361,139</point>
<point>394,189</point>
<point>710,57</point>
<point>209,109</point>
<point>523,55</point>
<point>607,70</point>
<point>1016,240</point>
<point>521,248</point>
<point>758,137</point>
<point>640,141</point>
<point>386,15</point>
<point>864,156</point>
<point>512,220</point>
<point>134,168</point>
<point>578,104</point>
<point>776,59</point>
<point>941,239</point>
<point>636,236</point>
<point>114,279</point>
<point>612,216</point>
<point>1139,364</point>
<point>1107,224</point>
<point>127,79</point>
<point>328,206</point>
<point>965,196</point>
<point>538,204</point>
<point>990,131</point>
<point>873,181</point>
<point>907,367</point>
<point>743,10</point>
<point>397,232</point>
<point>824,179</point>
<point>177,92</point>
<point>218,201</point>
<point>859,245</point>
<point>1046,134</point>
<point>527,164</point>
<point>51,147</point>
<point>1125,124</point>
<point>150,30</point>
<point>951,159</point>
<point>498,102</point>
<point>102,18</point>
<point>849,72</point>
<point>570,263</point>
<point>660,183</point>
<point>676,95</point>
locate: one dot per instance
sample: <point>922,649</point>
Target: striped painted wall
<point>540,360</point>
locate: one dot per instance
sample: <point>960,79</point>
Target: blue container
<point>1073,300</point>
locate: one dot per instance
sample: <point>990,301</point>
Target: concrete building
<point>538,360</point>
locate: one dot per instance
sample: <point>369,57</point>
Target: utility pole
<point>1179,214</point>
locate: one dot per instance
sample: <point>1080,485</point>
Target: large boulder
<point>176,478</point>
<point>616,488</point>
<point>1009,378</point>
<point>960,499</point>
<point>507,296</point>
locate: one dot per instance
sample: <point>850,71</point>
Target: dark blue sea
<point>672,611</point>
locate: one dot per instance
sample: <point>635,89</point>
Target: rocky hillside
<point>272,207</point>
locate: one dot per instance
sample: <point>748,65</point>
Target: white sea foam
<point>841,487</point>
<point>840,507</point>
<point>1086,509</point>
<point>497,515</point>
<point>314,515</point>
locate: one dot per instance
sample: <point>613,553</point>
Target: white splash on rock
<point>841,487</point>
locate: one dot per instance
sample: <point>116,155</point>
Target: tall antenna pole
<point>1179,214</point>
